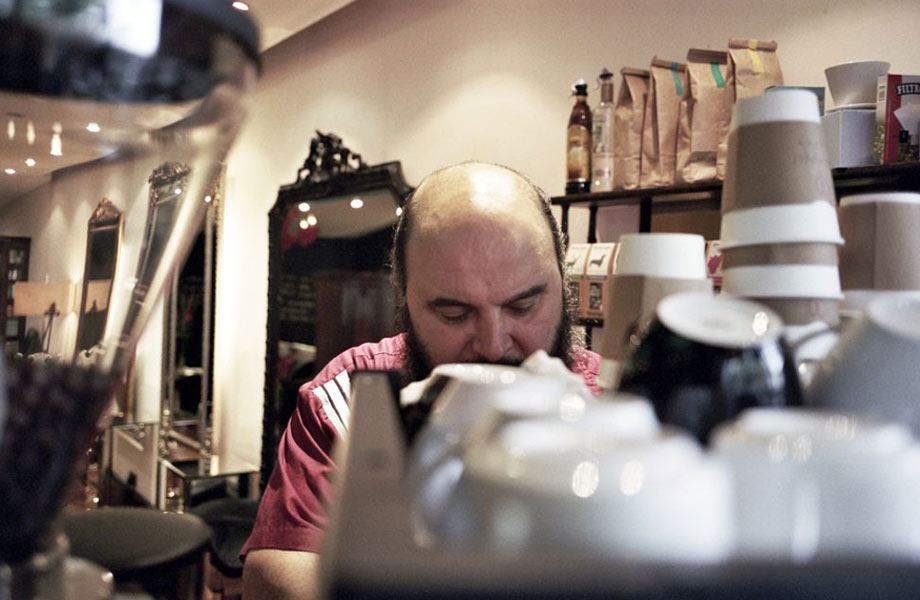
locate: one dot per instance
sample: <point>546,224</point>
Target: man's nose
<point>492,341</point>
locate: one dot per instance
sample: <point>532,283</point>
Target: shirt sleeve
<point>292,511</point>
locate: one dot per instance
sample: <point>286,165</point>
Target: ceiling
<point>277,20</point>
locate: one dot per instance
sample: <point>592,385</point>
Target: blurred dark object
<point>160,551</point>
<point>53,411</point>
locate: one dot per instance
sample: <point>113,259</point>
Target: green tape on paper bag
<point>678,84</point>
<point>717,75</point>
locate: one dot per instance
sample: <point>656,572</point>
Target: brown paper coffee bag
<point>627,128</point>
<point>703,116</point>
<point>668,85</point>
<point>753,66</point>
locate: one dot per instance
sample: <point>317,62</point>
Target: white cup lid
<point>781,223</point>
<point>782,105</point>
<point>783,281</point>
<point>899,197</point>
<point>719,320</point>
<point>672,255</point>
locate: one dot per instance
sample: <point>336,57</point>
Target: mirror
<point>186,410</point>
<point>328,284</point>
<point>103,239</point>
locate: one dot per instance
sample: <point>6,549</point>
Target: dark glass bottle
<point>578,142</point>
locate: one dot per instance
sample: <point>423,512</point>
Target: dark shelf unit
<point>707,195</point>
<point>14,267</point>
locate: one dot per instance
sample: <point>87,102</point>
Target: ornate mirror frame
<point>99,269</point>
<point>330,172</point>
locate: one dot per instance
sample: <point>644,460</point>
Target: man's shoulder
<point>384,355</point>
<point>587,363</point>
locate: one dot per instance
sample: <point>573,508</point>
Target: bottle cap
<point>579,88</point>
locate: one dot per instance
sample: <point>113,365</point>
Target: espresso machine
<point>377,545</point>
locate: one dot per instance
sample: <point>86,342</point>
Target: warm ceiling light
<point>9,171</point>
<point>304,207</point>
<point>207,199</point>
<point>357,202</point>
<point>93,127</point>
<point>398,211</point>
<point>311,219</point>
<point>30,162</point>
<point>30,132</point>
<point>240,5</point>
<point>56,149</point>
<point>304,224</point>
<point>11,129</point>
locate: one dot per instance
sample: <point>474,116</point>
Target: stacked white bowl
<point>780,233</point>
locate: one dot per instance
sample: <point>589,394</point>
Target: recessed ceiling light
<point>9,171</point>
<point>357,202</point>
<point>304,224</point>
<point>398,211</point>
<point>30,162</point>
<point>304,207</point>
<point>207,199</point>
<point>56,149</point>
<point>311,219</point>
<point>93,127</point>
<point>240,5</point>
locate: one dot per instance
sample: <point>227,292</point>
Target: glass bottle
<point>602,137</point>
<point>578,142</point>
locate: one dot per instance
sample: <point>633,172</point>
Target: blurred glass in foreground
<point>113,90</point>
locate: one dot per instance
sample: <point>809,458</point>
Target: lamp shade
<point>32,299</point>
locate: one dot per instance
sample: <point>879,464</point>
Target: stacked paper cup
<point>882,255</point>
<point>649,267</point>
<point>780,234</point>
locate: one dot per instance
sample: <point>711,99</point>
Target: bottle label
<point>578,153</point>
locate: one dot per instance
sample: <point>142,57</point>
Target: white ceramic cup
<point>667,255</point>
<point>821,484</point>
<point>542,484</point>
<point>471,396</point>
<point>783,281</point>
<point>874,369</point>
<point>780,223</point>
<point>855,82</point>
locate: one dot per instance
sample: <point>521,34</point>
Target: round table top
<point>122,538</point>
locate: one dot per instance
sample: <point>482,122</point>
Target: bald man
<point>478,274</point>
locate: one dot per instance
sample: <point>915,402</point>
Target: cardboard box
<point>601,258</point>
<point>897,119</point>
<point>849,136</point>
<point>576,257</point>
<point>714,262</point>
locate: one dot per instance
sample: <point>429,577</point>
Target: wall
<point>56,217</point>
<point>433,82</point>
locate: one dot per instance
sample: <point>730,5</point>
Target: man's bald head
<point>473,193</point>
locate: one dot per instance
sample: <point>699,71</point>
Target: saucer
<point>856,106</point>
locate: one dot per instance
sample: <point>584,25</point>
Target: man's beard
<point>419,363</point>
